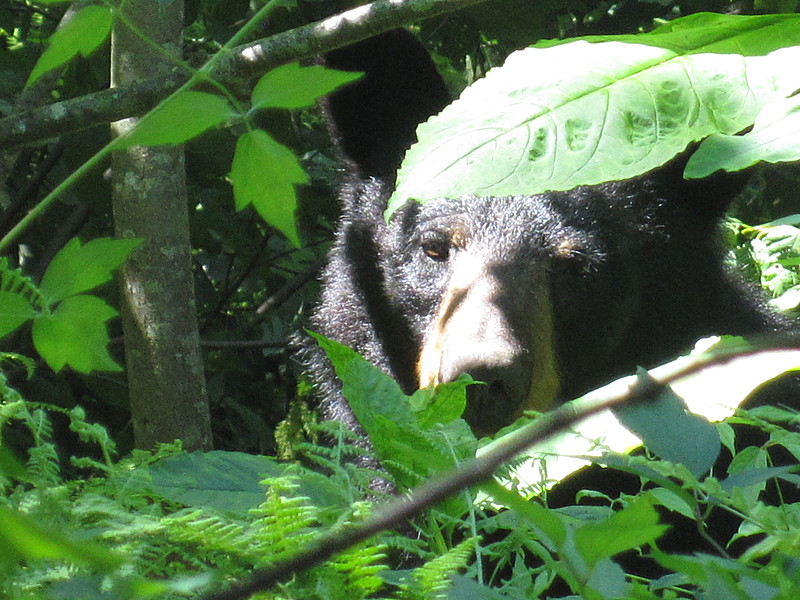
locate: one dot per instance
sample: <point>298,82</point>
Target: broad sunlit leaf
<point>580,114</point>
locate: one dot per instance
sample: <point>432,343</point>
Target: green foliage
<point>171,524</point>
<point>647,100</point>
<point>292,86</point>
<point>82,35</point>
<point>263,174</point>
<point>179,118</point>
<point>69,327</point>
<point>770,140</point>
<point>662,420</point>
<point>412,441</point>
<point>772,252</point>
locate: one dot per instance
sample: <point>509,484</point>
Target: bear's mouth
<point>490,407</point>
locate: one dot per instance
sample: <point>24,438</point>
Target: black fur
<point>633,268</point>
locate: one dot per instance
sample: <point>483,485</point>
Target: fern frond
<point>207,531</point>
<point>286,522</point>
<point>92,433</point>
<point>361,565</point>
<point>15,282</point>
<point>25,361</point>
<point>432,580</point>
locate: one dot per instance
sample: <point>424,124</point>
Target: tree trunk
<point>162,351</point>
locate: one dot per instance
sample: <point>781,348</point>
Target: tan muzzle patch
<point>544,381</point>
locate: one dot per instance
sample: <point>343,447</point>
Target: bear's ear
<point>374,120</point>
<point>705,200</point>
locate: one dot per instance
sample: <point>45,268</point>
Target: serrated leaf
<point>384,412</point>
<point>75,334</point>
<point>179,119</point>
<point>78,268</point>
<point>264,174</point>
<point>775,137</point>
<point>15,309</point>
<point>635,525</point>
<point>585,113</point>
<point>83,34</point>
<point>292,86</point>
<point>442,404</point>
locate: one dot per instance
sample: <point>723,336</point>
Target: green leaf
<point>548,524</point>
<point>583,113</point>
<point>386,416</point>
<point>442,404</point>
<point>633,526</point>
<point>749,35</point>
<point>264,173</point>
<point>15,309</point>
<point>24,540</point>
<point>83,34</point>
<point>292,86</point>
<point>75,335</point>
<point>775,137</point>
<point>180,118</point>
<point>77,268</point>
<point>669,431</point>
<point>230,482</point>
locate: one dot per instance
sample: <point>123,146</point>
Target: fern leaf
<point>361,565</point>
<point>286,521</point>
<point>432,580</point>
<point>14,281</point>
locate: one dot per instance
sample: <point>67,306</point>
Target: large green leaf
<point>384,411</point>
<point>585,113</point>
<point>749,35</point>
<point>633,526</point>
<point>292,86</point>
<point>75,334</point>
<point>775,137</point>
<point>78,268</point>
<point>83,34</point>
<point>179,119</point>
<point>230,482</point>
<point>15,309</point>
<point>264,173</point>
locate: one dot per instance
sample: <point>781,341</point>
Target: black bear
<point>542,297</point>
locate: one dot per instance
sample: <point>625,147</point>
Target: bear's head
<point>540,297</point>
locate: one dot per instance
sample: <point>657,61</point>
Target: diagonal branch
<point>239,67</point>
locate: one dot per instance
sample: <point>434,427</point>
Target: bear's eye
<point>436,247</point>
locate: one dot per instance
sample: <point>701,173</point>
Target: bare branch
<point>478,470</point>
<point>243,63</point>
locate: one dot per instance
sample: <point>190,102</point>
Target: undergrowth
<point>169,524</point>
